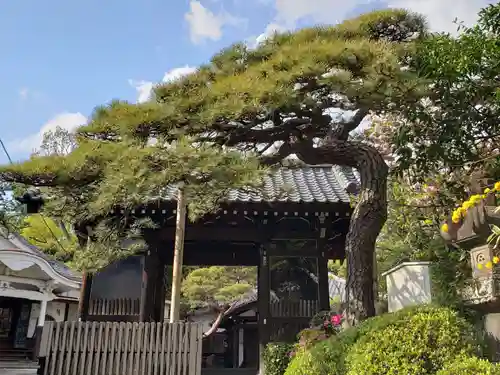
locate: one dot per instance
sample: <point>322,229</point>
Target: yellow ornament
<point>445,228</point>
<point>496,259</point>
<point>489,265</point>
<point>466,205</point>
<point>480,266</point>
<point>497,186</point>
<point>487,190</point>
<point>475,198</point>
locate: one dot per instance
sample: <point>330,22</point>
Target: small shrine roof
<point>15,242</point>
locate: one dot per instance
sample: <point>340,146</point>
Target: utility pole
<point>180,227</point>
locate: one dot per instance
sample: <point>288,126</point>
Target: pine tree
<point>244,111</point>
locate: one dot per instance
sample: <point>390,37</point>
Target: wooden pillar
<point>144,288</point>
<point>84,303</point>
<point>263,291</point>
<point>160,292</point>
<point>153,288</point>
<point>324,293</point>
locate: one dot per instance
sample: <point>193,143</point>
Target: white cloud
<point>441,13</point>
<point>66,120</point>
<point>205,24</point>
<point>177,73</point>
<point>270,30</point>
<point>289,12</point>
<point>144,88</point>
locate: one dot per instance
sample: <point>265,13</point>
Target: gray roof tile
<point>323,183</point>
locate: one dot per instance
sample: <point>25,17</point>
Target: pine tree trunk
<point>367,219</point>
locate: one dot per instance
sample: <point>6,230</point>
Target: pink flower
<point>336,319</point>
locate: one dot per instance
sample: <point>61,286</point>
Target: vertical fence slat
<point>159,327</point>
<point>55,347</point>
<point>191,365</point>
<point>91,348</point>
<point>175,343</point>
<point>133,348</point>
<point>105,339</point>
<point>185,348</point>
<point>118,349</point>
<point>152,336</point>
<point>164,348</point>
<point>62,347</point>
<point>112,349</point>
<point>49,327</point>
<point>69,357</point>
<point>200,350</point>
<point>83,357</point>
<point>144,346</point>
<point>77,351</point>
<point>126,347</point>
<point>105,348</point>
<point>98,349</point>
<point>140,329</point>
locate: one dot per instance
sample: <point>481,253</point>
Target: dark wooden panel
<point>121,279</point>
<point>213,253</point>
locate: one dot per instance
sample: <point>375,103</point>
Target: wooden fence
<point>119,306</point>
<point>298,309</point>
<point>110,348</point>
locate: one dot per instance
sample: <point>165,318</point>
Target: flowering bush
<point>333,323</point>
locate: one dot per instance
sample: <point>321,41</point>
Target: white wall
<point>54,309</point>
<point>206,320</point>
<point>408,284</point>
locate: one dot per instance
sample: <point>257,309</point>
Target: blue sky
<point>62,58</point>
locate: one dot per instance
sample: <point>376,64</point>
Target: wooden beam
<point>230,233</point>
<point>213,254</point>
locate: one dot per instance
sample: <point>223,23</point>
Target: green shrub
<point>469,366</point>
<point>328,357</point>
<point>276,357</point>
<point>324,358</point>
<point>416,344</point>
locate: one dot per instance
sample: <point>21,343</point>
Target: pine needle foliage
<point>245,111</point>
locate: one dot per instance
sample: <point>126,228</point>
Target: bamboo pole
<point>178,256</point>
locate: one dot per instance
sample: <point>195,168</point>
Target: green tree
<point>246,109</point>
<point>218,285</point>
<point>11,213</point>
<point>455,131</point>
<point>57,142</point>
<point>49,237</point>
<point>443,148</point>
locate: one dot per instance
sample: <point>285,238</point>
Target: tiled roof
<point>16,242</point>
<point>323,183</point>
